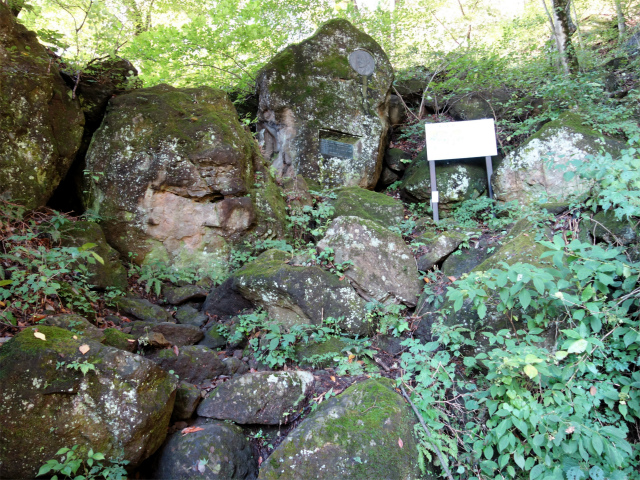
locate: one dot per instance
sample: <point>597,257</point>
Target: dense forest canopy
<point>223,43</point>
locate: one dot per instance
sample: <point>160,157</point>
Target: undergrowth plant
<point>72,465</point>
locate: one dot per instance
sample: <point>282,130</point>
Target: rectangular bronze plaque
<point>336,149</point>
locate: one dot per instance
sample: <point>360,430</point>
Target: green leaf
<point>488,452</point>
<point>530,371</point>
<point>4,283</point>
<point>536,472</point>
<point>46,468</point>
<point>97,257</point>
<point>482,310</point>
<point>560,354</point>
<point>519,459</point>
<point>578,346</point>
<point>596,442</point>
<point>525,298</point>
<point>87,246</point>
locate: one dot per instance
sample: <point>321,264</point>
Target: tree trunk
<point>622,25</point>
<point>562,30</point>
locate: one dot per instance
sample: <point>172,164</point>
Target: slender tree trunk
<point>563,28</point>
<point>622,25</point>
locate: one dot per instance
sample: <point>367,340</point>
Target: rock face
<point>217,452</point>
<point>111,273</point>
<point>297,295</point>
<point>40,125</point>
<point>457,180</point>
<point>535,171</point>
<point>370,205</point>
<point>437,247</point>
<point>312,96</point>
<point>354,435</point>
<point>120,408</point>
<point>173,174</point>
<point>193,364</point>
<point>383,267</point>
<point>263,397</point>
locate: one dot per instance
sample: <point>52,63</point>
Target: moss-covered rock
<point>118,339</point>
<point>173,174</point>
<point>300,295</point>
<point>40,124</point>
<point>76,324</point>
<point>383,268</point>
<point>358,202</point>
<point>175,334</point>
<point>186,293</point>
<point>111,273</point>
<point>188,398</point>
<point>355,435</point>
<point>214,337</point>
<point>120,407</point>
<point>142,309</point>
<point>258,398</point>
<point>320,354</point>
<point>396,159</point>
<point>309,92</point>
<point>217,452</point>
<point>456,180</point>
<point>535,171</point>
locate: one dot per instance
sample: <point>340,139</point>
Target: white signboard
<point>448,141</point>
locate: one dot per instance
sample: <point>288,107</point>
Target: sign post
<point>457,140</point>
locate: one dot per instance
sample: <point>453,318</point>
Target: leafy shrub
<point>71,465</point>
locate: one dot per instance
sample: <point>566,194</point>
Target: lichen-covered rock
<point>396,159</point>
<point>437,247</point>
<point>309,93</point>
<point>358,202</point>
<point>383,268</point>
<point>300,295</point>
<point>193,364</point>
<point>142,309</point>
<point>186,293</point>
<point>354,435</point>
<point>456,180</point>
<point>235,366</point>
<point>173,175</point>
<point>111,273</point>
<point>258,398</point>
<point>76,324</point>
<point>217,452</point>
<point>535,171</point>
<point>121,407</point>
<point>187,400</point>
<point>40,125</point>
<point>189,315</point>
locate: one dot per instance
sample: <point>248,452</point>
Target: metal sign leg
<point>434,191</point>
<point>489,175</point>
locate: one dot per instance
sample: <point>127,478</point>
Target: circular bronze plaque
<point>362,62</point>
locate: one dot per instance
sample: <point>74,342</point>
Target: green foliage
<point>485,211</point>
<point>152,275</point>
<point>309,223</point>
<point>84,367</point>
<point>389,318</point>
<point>73,466</point>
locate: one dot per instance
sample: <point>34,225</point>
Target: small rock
<point>193,364</point>
<point>438,247</point>
<point>76,324</point>
<point>224,301</point>
<point>118,339</point>
<point>142,309</point>
<point>155,340</point>
<point>213,337</point>
<point>261,397</point>
<point>180,335</point>
<point>180,295</point>
<point>235,366</point>
<point>188,397</point>
<point>217,452</point>
<point>189,315</point>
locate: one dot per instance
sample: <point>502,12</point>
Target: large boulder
<point>437,247</point>
<point>456,180</point>
<point>300,295</point>
<point>383,268</point>
<point>258,398</point>
<point>364,433</point>
<point>194,364</point>
<point>121,407</point>
<point>176,178</point>
<point>324,107</point>
<point>40,125</point>
<point>108,273</point>
<point>217,452</point>
<point>535,171</point>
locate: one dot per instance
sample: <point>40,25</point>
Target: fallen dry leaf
<point>426,280</point>
<point>131,340</point>
<point>351,357</point>
<point>184,431</point>
<point>453,279</point>
<point>39,335</point>
<point>176,351</point>
<point>259,461</point>
<point>400,443</point>
<point>75,337</point>
<point>333,379</point>
<point>593,391</point>
<point>84,348</point>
